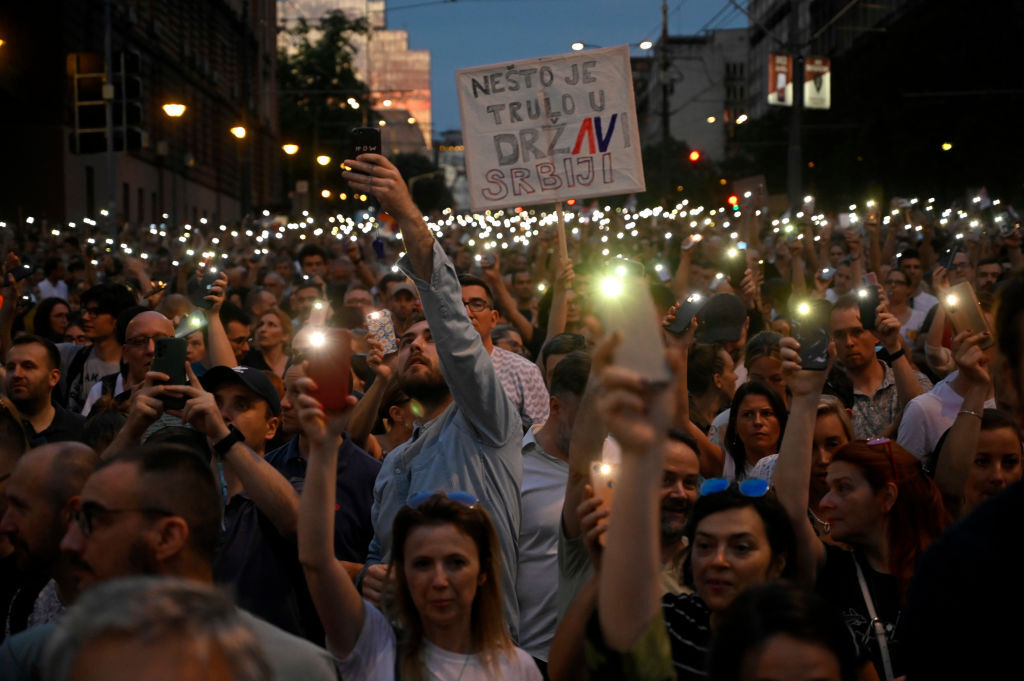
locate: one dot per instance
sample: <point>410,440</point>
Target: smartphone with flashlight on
<point>867,301</point>
<point>964,312</point>
<point>736,266</point>
<point>329,363</point>
<point>688,309</point>
<point>208,276</point>
<point>946,262</point>
<point>810,328</point>
<point>626,307</point>
<point>602,481</point>
<point>365,141</point>
<point>169,358</point>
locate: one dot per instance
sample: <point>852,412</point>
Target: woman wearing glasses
<point>738,534</point>
<point>879,503</point>
<point>446,602</point>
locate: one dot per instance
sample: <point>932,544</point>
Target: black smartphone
<point>20,272</point>
<point>867,299</point>
<point>946,261</point>
<point>736,266</point>
<point>209,278</point>
<point>169,358</point>
<point>365,141</point>
<point>688,309</point>
<point>810,328</point>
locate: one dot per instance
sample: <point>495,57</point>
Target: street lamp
<point>323,159</point>
<point>174,110</point>
<point>238,131</point>
<point>290,149</point>
<point>578,46</point>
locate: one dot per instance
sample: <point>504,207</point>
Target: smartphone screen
<point>961,306</point>
<point>330,366</point>
<point>736,266</point>
<point>365,141</point>
<point>810,328</point>
<point>169,358</point>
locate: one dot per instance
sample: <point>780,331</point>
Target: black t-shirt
<point>66,425</point>
<point>838,584</point>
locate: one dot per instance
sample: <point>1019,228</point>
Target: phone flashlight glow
<point>318,339</point>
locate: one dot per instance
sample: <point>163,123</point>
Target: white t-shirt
<point>544,480</point>
<point>928,416</point>
<point>923,301</point>
<point>48,290</point>
<point>373,658</point>
<point>912,328</point>
<point>96,392</point>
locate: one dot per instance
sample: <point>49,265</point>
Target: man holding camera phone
<point>470,431</point>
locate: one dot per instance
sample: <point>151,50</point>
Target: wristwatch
<point>224,445</point>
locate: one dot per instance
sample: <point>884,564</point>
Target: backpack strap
<point>75,369</point>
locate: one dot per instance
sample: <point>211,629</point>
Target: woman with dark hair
<point>445,568</point>
<point>757,420</point>
<point>780,631</point>
<point>879,503</point>
<point>52,318</point>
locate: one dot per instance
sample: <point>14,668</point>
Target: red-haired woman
<point>879,503</point>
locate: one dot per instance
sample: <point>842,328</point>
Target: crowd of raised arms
<point>216,462</point>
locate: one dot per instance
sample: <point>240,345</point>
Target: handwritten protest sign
<point>550,129</point>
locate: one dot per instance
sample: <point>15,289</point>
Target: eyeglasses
<point>142,341</point>
<point>89,512</point>
<point>464,498</point>
<point>240,340</point>
<point>886,444</point>
<point>751,487</point>
<point>92,311</point>
<point>477,304</point>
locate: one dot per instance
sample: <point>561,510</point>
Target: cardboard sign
<point>550,129</point>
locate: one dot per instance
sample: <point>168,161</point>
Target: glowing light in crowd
<point>290,149</point>
<point>238,131</point>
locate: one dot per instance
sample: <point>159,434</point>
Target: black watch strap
<point>224,445</point>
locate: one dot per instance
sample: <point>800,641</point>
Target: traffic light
<point>734,201</point>
<point>694,156</point>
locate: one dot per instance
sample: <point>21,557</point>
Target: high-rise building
<point>398,78</point>
<point>215,58</point>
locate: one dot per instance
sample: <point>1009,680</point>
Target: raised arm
<point>961,443</point>
<point>629,591</point>
<point>793,468</point>
<point>339,605</point>
<point>888,331</point>
<point>364,414</point>
<point>221,353</point>
<point>505,301</point>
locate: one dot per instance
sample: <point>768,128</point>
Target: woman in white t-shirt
<point>446,611</point>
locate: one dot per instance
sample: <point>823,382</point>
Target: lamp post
<point>174,111</point>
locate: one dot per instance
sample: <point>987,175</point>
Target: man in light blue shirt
<point>469,435</point>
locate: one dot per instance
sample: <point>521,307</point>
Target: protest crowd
<point>217,456</point>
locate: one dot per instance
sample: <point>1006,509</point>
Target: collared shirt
<point>357,472</point>
<point>873,414</point>
<point>523,384</point>
<point>544,479</point>
<point>473,445</point>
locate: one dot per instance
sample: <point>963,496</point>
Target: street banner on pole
<point>550,129</point>
<point>817,83</point>
<point>780,80</point>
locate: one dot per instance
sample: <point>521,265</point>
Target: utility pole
<point>108,98</point>
<point>794,170</point>
<point>663,75</point>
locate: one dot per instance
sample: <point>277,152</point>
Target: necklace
<point>464,665</point>
<point>826,526</point>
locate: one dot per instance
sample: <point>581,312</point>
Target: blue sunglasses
<point>464,498</point>
<point>751,487</point>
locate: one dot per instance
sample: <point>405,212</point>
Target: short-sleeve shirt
<point>78,387</point>
<point>928,416</point>
<point>873,414</point>
<point>523,384</point>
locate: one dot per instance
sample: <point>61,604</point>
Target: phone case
<point>810,329</point>
<point>964,312</point>
<point>688,309</point>
<point>169,358</point>
<point>602,480</point>
<point>867,299</point>
<point>380,324</point>
<point>365,141</point>
<point>632,314</point>
<point>330,367</point>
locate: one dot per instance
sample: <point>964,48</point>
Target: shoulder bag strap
<point>883,643</point>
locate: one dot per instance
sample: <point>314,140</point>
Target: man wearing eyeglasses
<point>40,496</point>
<point>33,371</point>
<point>83,367</point>
<point>138,335</point>
<point>154,510</point>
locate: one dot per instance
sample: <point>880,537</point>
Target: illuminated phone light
<point>542,287</point>
<point>318,339</point>
<point>732,253</point>
<point>605,469</point>
<point>803,309</point>
<point>863,293</point>
<point>952,300</point>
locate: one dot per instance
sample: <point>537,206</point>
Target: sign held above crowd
<point>550,129</point>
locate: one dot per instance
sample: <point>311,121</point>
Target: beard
<point>672,526</point>
<point>428,388</point>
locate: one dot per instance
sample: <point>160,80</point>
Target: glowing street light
<point>323,159</point>
<point>326,193</point>
<point>386,102</point>
<point>741,119</point>
<point>174,110</point>
<point>382,122</point>
<point>645,45</point>
<point>290,149</point>
<point>711,119</point>
<point>352,102</point>
<point>946,146</point>
<point>238,131</point>
<point>577,46</point>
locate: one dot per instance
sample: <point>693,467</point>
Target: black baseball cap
<point>721,319</point>
<point>253,379</point>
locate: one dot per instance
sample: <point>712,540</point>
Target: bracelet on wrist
<point>970,413</point>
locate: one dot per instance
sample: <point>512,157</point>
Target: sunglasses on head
<point>751,487</point>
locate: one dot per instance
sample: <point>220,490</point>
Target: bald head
<point>145,321</point>
<point>68,464</point>
<point>139,348</point>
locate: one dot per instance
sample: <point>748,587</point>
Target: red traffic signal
<point>694,156</point>
<point>734,200</point>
